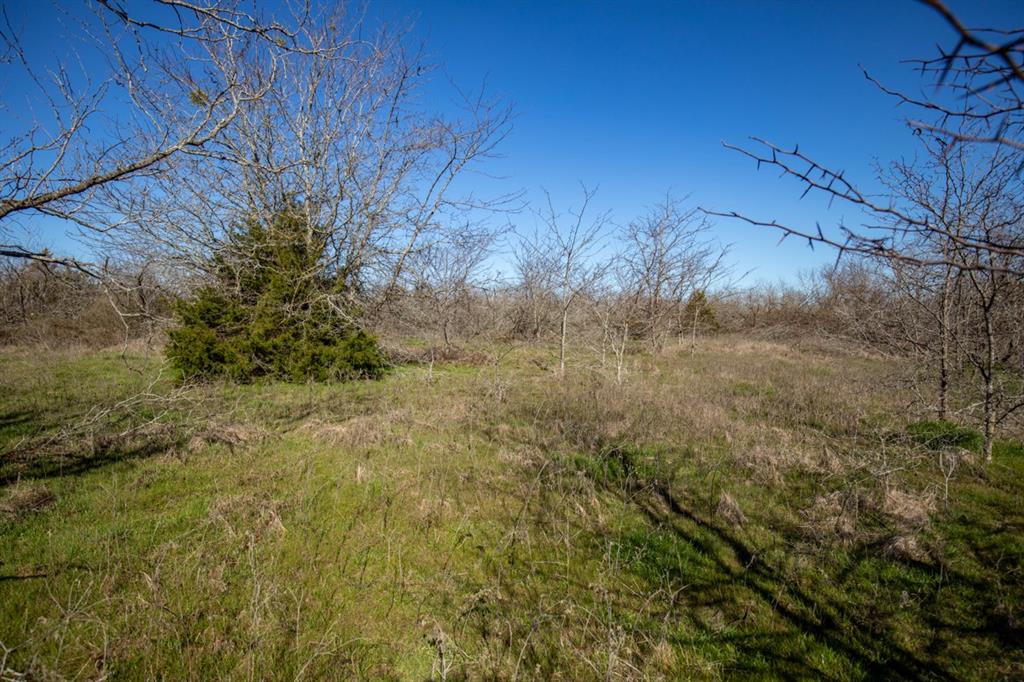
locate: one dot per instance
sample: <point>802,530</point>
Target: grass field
<point>757,510</point>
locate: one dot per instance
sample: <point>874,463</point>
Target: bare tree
<point>614,305</point>
<point>447,276</point>
<point>341,138</point>
<point>669,256</point>
<point>949,237</point>
<point>563,256</point>
<point>140,87</point>
<point>953,239</point>
<point>534,288</point>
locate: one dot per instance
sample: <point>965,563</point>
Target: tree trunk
<point>604,343</point>
<point>561,343</point>
<point>944,359</point>
<point>620,354</point>
<point>693,332</point>
<point>943,380</point>
<point>990,416</point>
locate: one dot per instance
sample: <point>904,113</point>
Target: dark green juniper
<point>272,310</point>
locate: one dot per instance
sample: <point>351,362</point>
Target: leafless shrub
<point>53,306</point>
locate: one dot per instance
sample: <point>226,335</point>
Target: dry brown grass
<point>233,436</point>
<point>729,511</point>
<point>248,515</point>
<point>833,517</point>
<point>25,498</point>
<point>910,510</point>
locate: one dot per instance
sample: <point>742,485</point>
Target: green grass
<point>500,523</point>
<point>938,434</point>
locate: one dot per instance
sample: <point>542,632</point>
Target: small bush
<point>939,433</point>
<point>699,312</point>
<point>271,312</point>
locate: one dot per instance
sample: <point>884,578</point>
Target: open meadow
<point>405,340</point>
<point>759,509</point>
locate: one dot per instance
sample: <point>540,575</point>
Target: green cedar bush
<point>699,308</point>
<point>266,313</point>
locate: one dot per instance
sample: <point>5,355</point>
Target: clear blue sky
<point>636,97</point>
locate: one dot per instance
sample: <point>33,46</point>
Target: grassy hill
<point>757,510</point>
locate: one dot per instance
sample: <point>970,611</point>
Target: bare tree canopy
<point>984,74</point>
<point>977,102</point>
<point>209,117</point>
<point>140,85</point>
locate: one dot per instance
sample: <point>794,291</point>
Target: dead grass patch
<point>248,515</point>
<point>22,499</point>
<point>729,511</point>
<point>910,510</point>
<point>834,516</point>
<point>906,547</point>
<point>231,435</point>
<point>358,431</point>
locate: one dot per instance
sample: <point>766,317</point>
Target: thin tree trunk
<point>620,353</point>
<point>604,347</point>
<point>944,359</point>
<point>990,417</point>
<point>693,332</point>
<point>561,344</point>
<point>943,380</point>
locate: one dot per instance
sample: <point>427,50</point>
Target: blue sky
<point>637,97</point>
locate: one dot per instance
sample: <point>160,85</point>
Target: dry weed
<point>906,547</point>
<point>729,511</point>
<point>833,516</point>
<point>358,431</point>
<point>231,435</point>
<point>248,515</point>
<point>910,510</point>
<point>25,498</point>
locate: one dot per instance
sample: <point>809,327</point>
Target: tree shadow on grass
<point>58,459</point>
<point>775,619</point>
<point>16,423</point>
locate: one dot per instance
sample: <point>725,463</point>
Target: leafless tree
<point>669,255</point>
<point>615,307</point>
<point>562,255</point>
<point>447,277</point>
<point>342,139</point>
<point>952,237</point>
<point>962,308</point>
<point>949,237</point>
<point>534,288</point>
<point>139,86</point>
